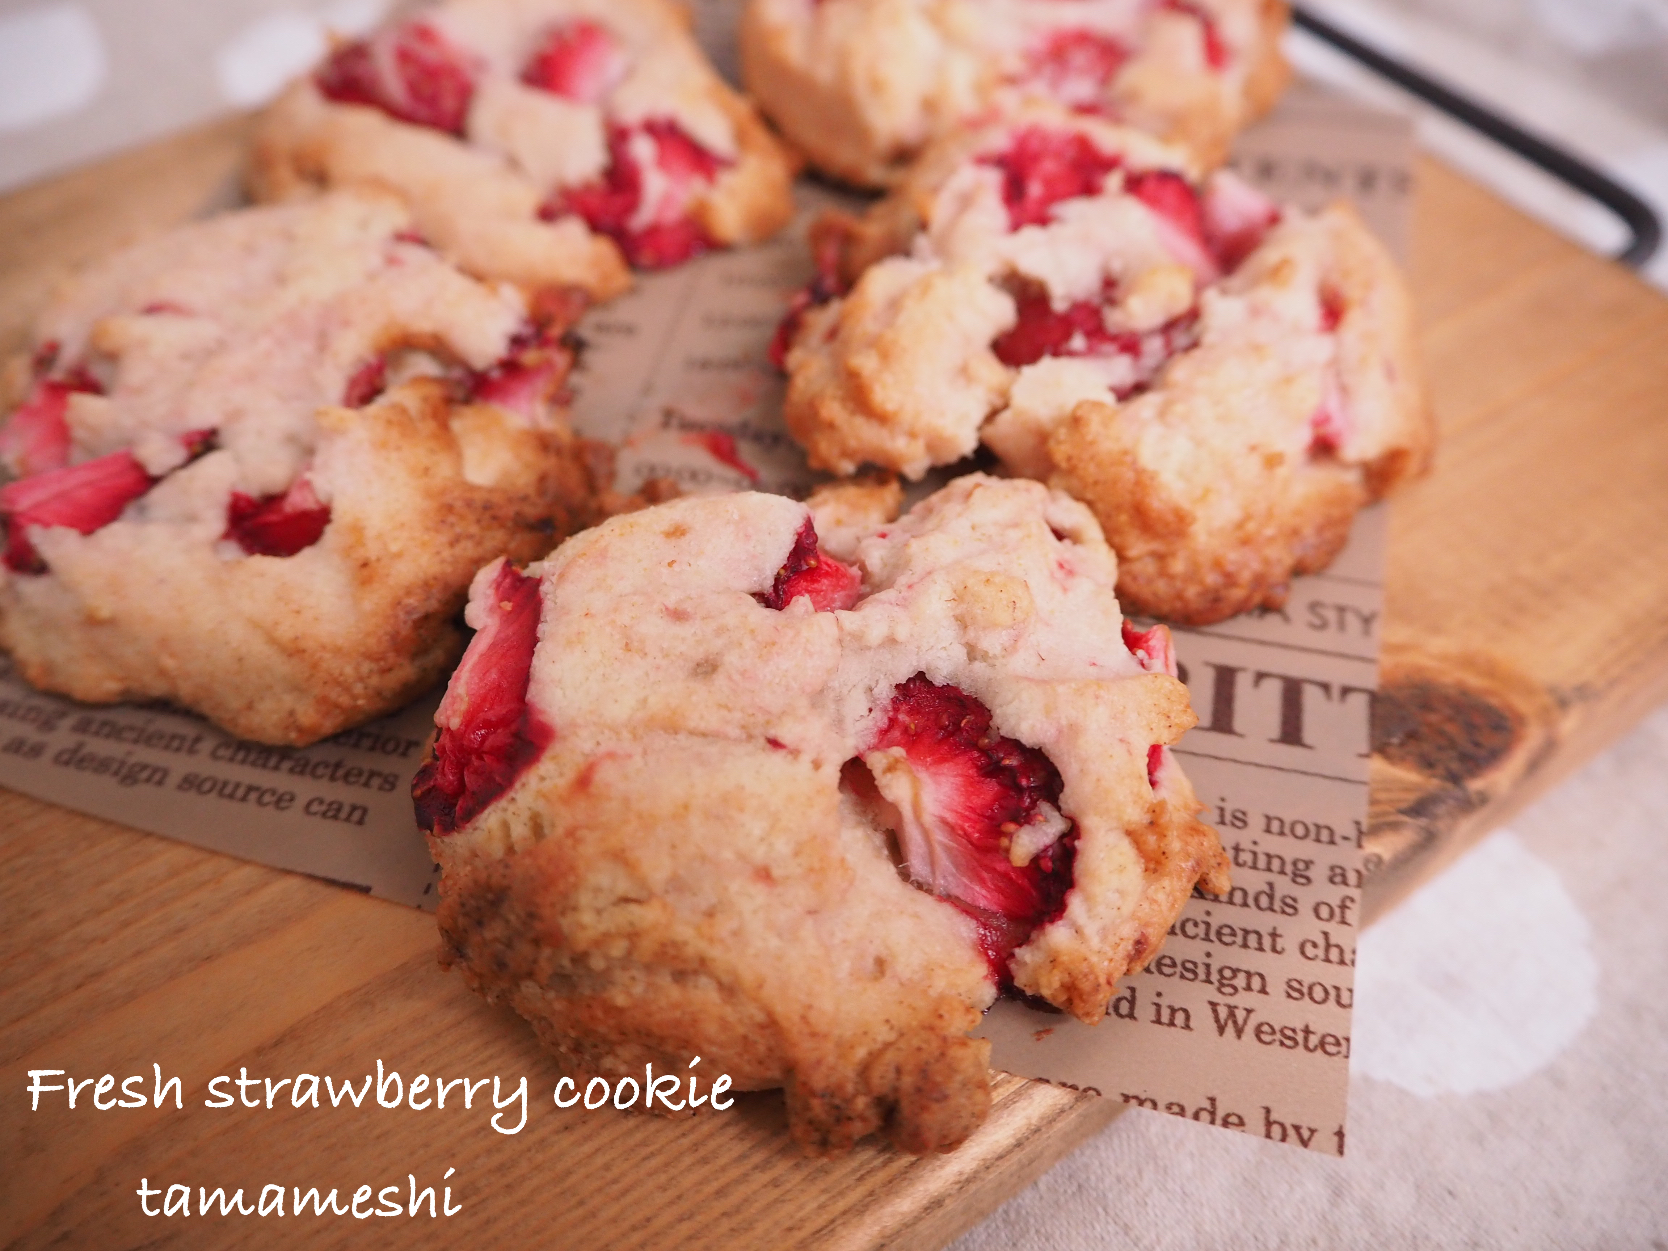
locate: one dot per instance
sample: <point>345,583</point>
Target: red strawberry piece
<point>1041,167</point>
<point>787,330</point>
<point>1040,330</point>
<point>1154,648</point>
<point>656,235</point>
<point>686,169</point>
<point>721,446</point>
<point>1075,66</point>
<point>525,383</point>
<point>1172,198</point>
<point>410,71</point>
<point>610,201</point>
<point>37,437</point>
<point>577,60</point>
<point>45,357</point>
<point>683,161</point>
<point>975,793</point>
<point>1156,651</point>
<point>489,734</point>
<point>1079,330</point>
<point>1330,425</point>
<point>1236,217</point>
<point>1175,205</point>
<point>277,525</point>
<point>165,308</point>
<point>810,571</point>
<point>366,383</point>
<point>199,442</point>
<point>1216,51</point>
<point>1332,309</point>
<point>556,310</point>
<point>825,286</point>
<point>531,375</point>
<point>84,497</point>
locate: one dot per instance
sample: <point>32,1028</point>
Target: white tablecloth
<point>1510,1078</point>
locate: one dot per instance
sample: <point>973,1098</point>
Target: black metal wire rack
<point>1638,216</point>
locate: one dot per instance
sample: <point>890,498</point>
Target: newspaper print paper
<point>1241,1021</point>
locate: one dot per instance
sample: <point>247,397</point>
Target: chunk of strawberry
<point>1075,65</point>
<point>578,60</point>
<point>658,233</point>
<point>44,358</point>
<point>661,245</point>
<point>199,442</point>
<point>826,285</point>
<point>556,310</point>
<point>410,71</point>
<point>809,571</point>
<point>1181,222</point>
<point>277,525</point>
<point>533,372</point>
<point>526,383</point>
<point>1156,652</point>
<point>608,203</point>
<point>37,437</point>
<point>1041,167</point>
<point>1041,330</point>
<point>721,446</point>
<point>1153,648</point>
<point>366,383</point>
<point>1236,217</point>
<point>977,814</point>
<point>84,497</point>
<point>489,734</point>
<point>1329,427</point>
<point>1172,197</point>
<point>1332,309</point>
<point>1215,48</point>
<point>683,161</point>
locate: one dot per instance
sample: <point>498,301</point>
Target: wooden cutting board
<point>1527,627</point>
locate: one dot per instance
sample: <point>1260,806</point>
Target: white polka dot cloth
<point>1508,1088</point>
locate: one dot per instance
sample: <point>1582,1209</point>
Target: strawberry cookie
<point>703,788</point>
<point>545,142</point>
<point>863,85</point>
<point>259,458</point>
<point>1225,382</point>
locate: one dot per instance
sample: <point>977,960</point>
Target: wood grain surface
<point>1527,626</point>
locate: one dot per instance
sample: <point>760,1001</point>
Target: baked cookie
<point>537,140</point>
<point>1224,382</point>
<point>700,788</point>
<point>861,86</point>
<point>260,458</point>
